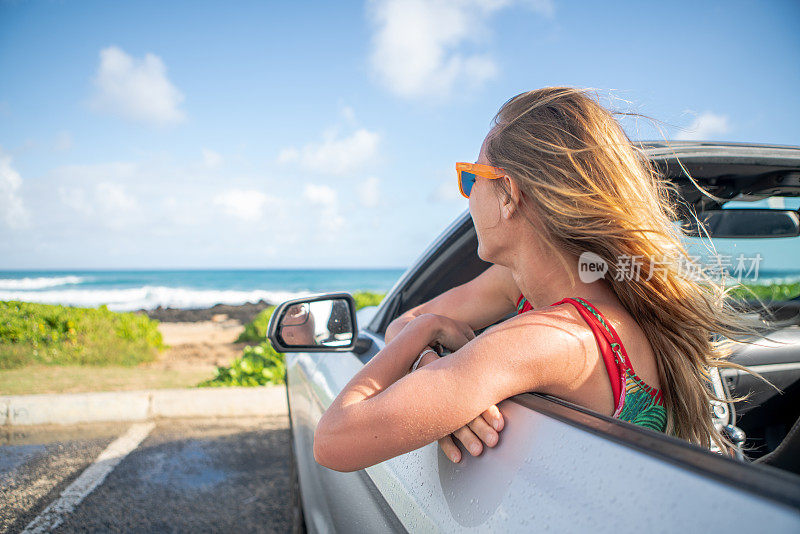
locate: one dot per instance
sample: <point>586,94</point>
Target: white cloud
<point>244,204</point>
<point>369,192</point>
<point>705,127</point>
<point>104,193</point>
<point>116,171</point>
<point>445,188</point>
<point>287,155</point>
<point>104,198</point>
<point>76,199</point>
<point>333,223</point>
<point>335,155</point>
<point>330,220</point>
<point>95,188</point>
<point>417,44</point>
<point>114,198</point>
<point>178,213</point>
<point>12,209</point>
<point>63,141</point>
<point>320,195</point>
<point>136,89</point>
<point>211,159</point>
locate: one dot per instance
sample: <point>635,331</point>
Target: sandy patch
<point>201,344</point>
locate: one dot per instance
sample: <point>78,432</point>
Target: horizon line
<point>294,268</point>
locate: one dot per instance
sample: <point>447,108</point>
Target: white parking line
<point>52,516</point>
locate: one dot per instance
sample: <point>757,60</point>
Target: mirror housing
<point>746,223</point>
<point>316,323</point>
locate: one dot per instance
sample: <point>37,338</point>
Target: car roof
<point>719,144</point>
<point>718,153</point>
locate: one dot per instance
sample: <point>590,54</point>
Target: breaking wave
<point>148,297</point>
<point>41,282</point>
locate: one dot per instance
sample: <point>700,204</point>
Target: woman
<point>556,181</point>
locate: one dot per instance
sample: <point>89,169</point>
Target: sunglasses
<point>468,172</point>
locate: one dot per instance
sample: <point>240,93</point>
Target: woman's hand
<point>482,429</point>
<point>455,334</point>
<point>450,333</point>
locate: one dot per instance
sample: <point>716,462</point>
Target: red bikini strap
<point>525,307</point>
<point>604,340</point>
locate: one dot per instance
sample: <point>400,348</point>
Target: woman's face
<point>484,207</point>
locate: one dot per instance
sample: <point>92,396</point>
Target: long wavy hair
<point>592,190</point>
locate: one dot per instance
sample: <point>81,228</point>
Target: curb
<point>71,408</point>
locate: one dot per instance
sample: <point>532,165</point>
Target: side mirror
<point>319,323</point>
<point>747,223</point>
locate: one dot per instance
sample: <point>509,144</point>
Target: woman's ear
<point>512,200</point>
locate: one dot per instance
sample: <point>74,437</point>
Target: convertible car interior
<point>766,423</point>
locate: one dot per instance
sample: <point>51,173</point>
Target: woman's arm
<point>482,301</point>
<point>383,412</point>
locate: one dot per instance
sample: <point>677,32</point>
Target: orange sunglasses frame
<point>484,171</point>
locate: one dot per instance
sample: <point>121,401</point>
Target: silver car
<point>559,467</point>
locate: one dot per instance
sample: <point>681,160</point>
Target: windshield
<point>766,268</point>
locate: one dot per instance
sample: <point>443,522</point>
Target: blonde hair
<point>590,189</point>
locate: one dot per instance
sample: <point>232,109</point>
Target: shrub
<point>767,292</point>
<point>256,330</point>
<point>258,365</point>
<point>367,298</point>
<point>56,335</point>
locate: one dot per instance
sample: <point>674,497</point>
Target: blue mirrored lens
<point>467,181</point>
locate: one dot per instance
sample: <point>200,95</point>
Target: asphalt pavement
<point>180,475</point>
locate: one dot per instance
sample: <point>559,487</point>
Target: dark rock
<point>244,313</point>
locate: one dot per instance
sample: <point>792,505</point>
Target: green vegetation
<point>261,364</point>
<point>767,292</point>
<point>367,298</point>
<point>258,365</point>
<point>48,334</point>
<point>256,330</point>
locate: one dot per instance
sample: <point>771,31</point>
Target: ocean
<point>139,289</point>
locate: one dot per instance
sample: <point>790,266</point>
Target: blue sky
<point>323,134</point>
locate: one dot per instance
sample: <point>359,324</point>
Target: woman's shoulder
<point>547,343</point>
<point>558,319</point>
<point>632,337</point>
